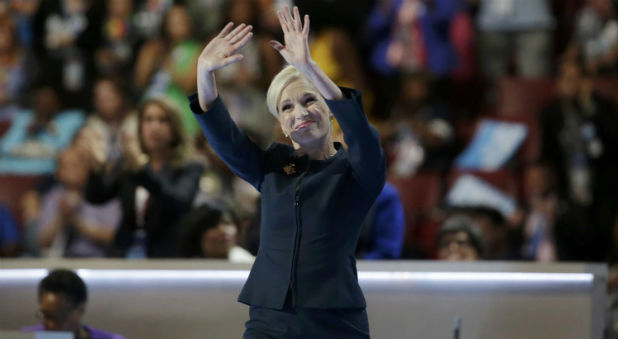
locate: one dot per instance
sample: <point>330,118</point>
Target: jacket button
<point>297,203</point>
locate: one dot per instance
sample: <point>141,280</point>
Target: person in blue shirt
<point>384,228</point>
<point>36,136</point>
<point>315,193</point>
<point>9,233</point>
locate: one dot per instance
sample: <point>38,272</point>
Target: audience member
<point>119,39</point>
<point>17,68</point>
<point>155,195</point>
<point>596,37</point>
<point>62,297</point>
<point>459,239</point>
<point>66,33</point>
<point>241,84</point>
<point>10,238</point>
<point>421,132</point>
<point>579,137</point>
<point>149,17</point>
<point>68,226</point>
<point>168,65</point>
<point>515,29</point>
<point>384,227</point>
<point>211,232</point>
<point>31,144</point>
<point>113,119</point>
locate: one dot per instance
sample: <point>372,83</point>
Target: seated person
<point>210,231</point>
<point>384,227</point>
<point>459,239</point>
<point>68,225</point>
<point>31,144</point>
<point>62,304</point>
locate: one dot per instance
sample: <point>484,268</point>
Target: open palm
<point>296,38</point>
<point>223,49</point>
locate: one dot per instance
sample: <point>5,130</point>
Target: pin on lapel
<point>289,169</point>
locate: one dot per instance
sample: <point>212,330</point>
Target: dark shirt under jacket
<point>172,191</point>
<point>312,210</point>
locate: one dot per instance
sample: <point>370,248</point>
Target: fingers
<point>225,30</point>
<point>296,19</point>
<point>241,34</point>
<point>243,41</point>
<point>283,22</point>
<point>276,45</point>
<point>235,32</point>
<point>232,59</point>
<point>306,28</point>
<point>290,21</point>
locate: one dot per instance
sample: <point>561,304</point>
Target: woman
<point>211,231</point>
<point>167,65</point>
<point>155,195</point>
<point>314,195</point>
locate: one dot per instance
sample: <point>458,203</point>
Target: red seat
<point>4,126</point>
<point>12,187</point>
<point>518,96</point>
<point>420,196</point>
<point>607,86</point>
<point>420,193</point>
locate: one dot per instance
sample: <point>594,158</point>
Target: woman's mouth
<point>303,124</point>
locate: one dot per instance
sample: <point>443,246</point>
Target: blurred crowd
<point>498,118</point>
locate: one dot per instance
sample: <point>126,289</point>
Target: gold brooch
<point>289,169</point>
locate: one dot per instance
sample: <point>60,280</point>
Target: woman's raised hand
<point>296,38</point>
<point>222,50</point>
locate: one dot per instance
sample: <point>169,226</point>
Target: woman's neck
<point>323,150</point>
<point>158,160</point>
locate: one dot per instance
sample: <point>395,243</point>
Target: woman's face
<point>107,101</point>
<point>217,241</point>
<point>303,114</point>
<point>72,169</point>
<point>7,42</point>
<point>457,247</point>
<point>156,129</point>
<point>177,24</point>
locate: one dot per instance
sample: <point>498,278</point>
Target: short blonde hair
<point>280,81</point>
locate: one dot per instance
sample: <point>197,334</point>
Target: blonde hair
<point>288,74</point>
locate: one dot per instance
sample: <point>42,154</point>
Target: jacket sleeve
<point>178,192</point>
<point>366,154</point>
<point>230,143</point>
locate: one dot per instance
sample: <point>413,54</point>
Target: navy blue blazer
<point>312,210</point>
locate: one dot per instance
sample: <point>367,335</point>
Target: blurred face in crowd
<point>415,89</point>
<point>217,241</point>
<point>602,7</point>
<point>240,11</point>
<point>7,35</point>
<point>72,168</point>
<point>107,100</point>
<point>569,80</point>
<point>119,8</point>
<point>178,24</point>
<point>456,246</point>
<point>57,313</point>
<point>46,103</point>
<point>156,131</point>
<point>303,114</point>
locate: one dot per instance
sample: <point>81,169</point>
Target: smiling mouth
<point>303,125</point>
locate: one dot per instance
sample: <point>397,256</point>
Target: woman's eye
<point>285,107</point>
<point>309,100</point>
